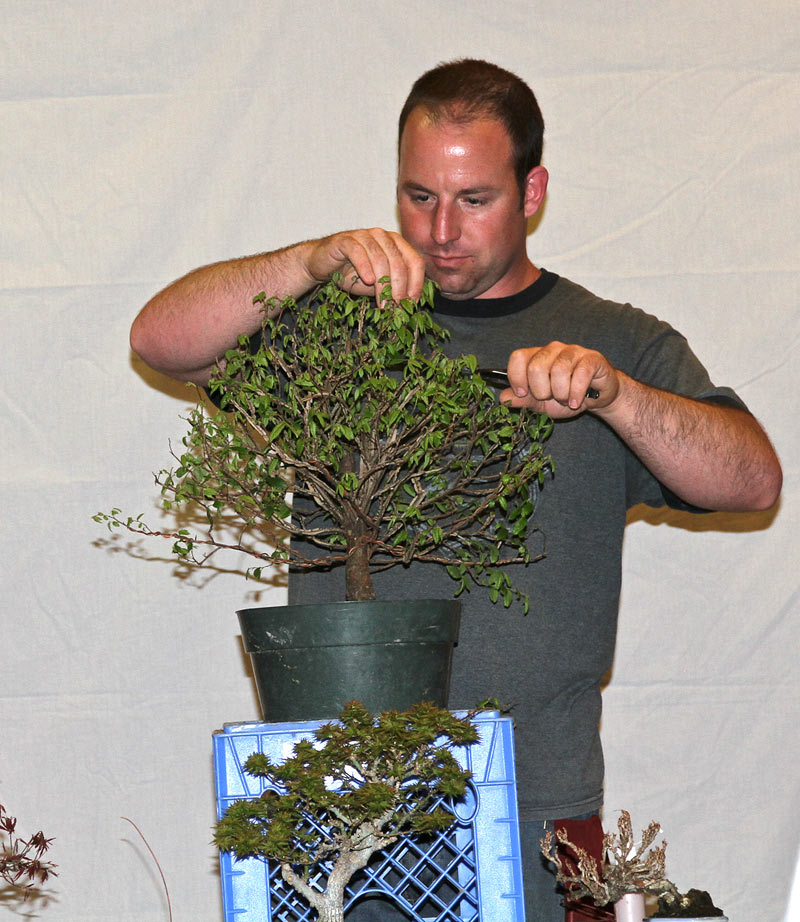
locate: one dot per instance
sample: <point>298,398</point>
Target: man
<point>659,431</point>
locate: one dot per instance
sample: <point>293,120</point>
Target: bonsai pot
<point>310,660</point>
<point>629,908</point>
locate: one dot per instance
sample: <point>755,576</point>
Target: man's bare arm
<point>711,456</point>
<point>185,328</point>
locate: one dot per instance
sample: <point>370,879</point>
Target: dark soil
<point>696,904</point>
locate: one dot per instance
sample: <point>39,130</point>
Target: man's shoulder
<point>569,299</point>
<point>573,293</point>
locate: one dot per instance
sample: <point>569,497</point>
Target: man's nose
<point>445,226</point>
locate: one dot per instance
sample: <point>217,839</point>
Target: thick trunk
<point>331,914</point>
<point>358,581</point>
<point>329,905</point>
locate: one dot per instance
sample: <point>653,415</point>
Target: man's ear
<point>535,189</point>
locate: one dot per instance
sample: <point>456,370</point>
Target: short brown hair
<point>467,89</point>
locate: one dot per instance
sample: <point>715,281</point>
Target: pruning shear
<point>496,377</point>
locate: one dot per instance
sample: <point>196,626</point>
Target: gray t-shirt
<point>549,665</point>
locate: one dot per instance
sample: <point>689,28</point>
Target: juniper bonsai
<point>357,787</point>
<point>391,451</point>
<point>625,868</point>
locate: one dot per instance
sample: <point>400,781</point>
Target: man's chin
<point>453,285</point>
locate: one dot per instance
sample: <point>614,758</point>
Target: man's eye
<point>420,197</point>
<point>474,201</point>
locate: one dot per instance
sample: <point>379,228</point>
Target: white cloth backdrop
<point>142,139</point>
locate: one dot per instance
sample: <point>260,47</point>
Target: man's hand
<point>363,257</point>
<point>711,456</point>
<point>555,379</point>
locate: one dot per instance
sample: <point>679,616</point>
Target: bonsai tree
<point>22,864</point>
<point>391,451</point>
<point>626,868</point>
<point>357,787</point>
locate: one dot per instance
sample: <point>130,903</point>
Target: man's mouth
<point>447,261</point>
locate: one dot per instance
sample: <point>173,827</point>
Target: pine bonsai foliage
<point>357,787</point>
<point>391,451</point>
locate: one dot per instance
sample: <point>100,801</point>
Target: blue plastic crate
<point>472,873</point>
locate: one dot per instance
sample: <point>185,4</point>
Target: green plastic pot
<point>310,660</point>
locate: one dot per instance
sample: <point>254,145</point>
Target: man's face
<point>459,205</point>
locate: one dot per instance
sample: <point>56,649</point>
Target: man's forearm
<point>711,456</point>
<point>185,328</point>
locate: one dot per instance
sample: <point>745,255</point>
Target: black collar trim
<point>495,307</point>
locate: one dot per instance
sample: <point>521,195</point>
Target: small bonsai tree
<point>353,790</point>
<point>391,451</point>
<point>22,864</point>
<point>625,868</point>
